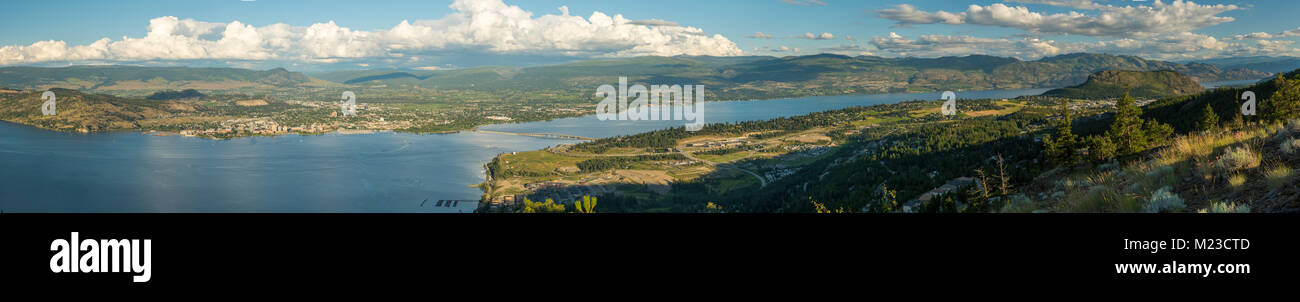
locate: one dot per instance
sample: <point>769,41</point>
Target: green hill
<point>82,112</point>
<point>1140,84</point>
<point>115,78</point>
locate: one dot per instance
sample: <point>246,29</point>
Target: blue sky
<point>363,32</point>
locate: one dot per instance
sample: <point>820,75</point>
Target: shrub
<point>1236,181</point>
<point>1160,177</point>
<point>1290,146</point>
<point>1225,207</point>
<point>1102,198</point>
<point>1280,131</point>
<point>1236,159</point>
<point>1018,204</point>
<point>1163,201</point>
<point>1278,176</point>
<point>1191,145</point>
<point>541,207</point>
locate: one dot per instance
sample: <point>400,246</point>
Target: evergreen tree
<point>1101,148</point>
<point>1285,102</point>
<point>1237,119</point>
<point>1126,130</point>
<point>1060,147</point>
<point>1129,133</point>
<point>1209,120</point>
<point>1155,132</point>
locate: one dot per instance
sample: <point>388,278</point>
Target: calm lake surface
<point>1212,85</point>
<point>46,171</point>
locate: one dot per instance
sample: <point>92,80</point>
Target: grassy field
<point>540,161</point>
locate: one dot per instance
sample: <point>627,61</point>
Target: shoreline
<point>477,127</point>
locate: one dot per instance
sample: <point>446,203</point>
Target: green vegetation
<point>541,207</point>
<point>586,206</point>
<point>1168,157</point>
<point>1289,146</point>
<point>1143,84</point>
<point>622,162</point>
<point>1279,176</point>
<point>1225,207</point>
<point>1164,201</point>
<point>175,95</point>
<point>1031,154</point>
<point>453,100</point>
<point>1236,159</point>
<point>1284,103</point>
<point>1209,120</point>
<point>907,150</point>
<point>131,77</point>
<point>746,78</point>
<point>1062,147</point>
<point>1128,133</point>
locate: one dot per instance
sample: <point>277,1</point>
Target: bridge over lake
<point>542,135</point>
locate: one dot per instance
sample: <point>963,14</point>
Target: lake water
<point>46,171</point>
<point>1212,85</point>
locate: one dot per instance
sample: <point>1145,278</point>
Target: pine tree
<point>1129,133</point>
<point>1209,120</point>
<point>1155,132</point>
<point>1101,148</point>
<point>1126,130</point>
<point>1285,101</point>
<point>1237,119</point>
<point>1060,147</point>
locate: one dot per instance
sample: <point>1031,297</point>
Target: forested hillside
<point>1141,84</point>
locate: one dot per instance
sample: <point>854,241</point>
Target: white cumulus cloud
<point>1167,47</point>
<point>822,36</point>
<point>483,26</point>
<point>1107,20</point>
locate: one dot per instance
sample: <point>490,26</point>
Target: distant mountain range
<point>1266,64</point>
<point>1139,84</point>
<point>750,77</point>
<point>819,74</point>
<point>113,78</point>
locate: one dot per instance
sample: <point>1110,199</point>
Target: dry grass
<point>1199,146</point>
<point>1278,176</point>
<point>1188,166</point>
<point>1225,207</point>
<point>1237,181</point>
<point>1237,159</point>
<point>1290,146</point>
